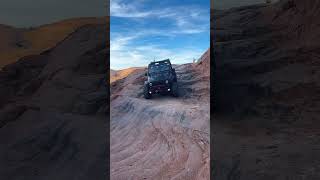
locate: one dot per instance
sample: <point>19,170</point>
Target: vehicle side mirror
<point>145,74</point>
<point>173,69</point>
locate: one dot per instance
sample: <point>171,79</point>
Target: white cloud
<point>128,55</point>
<point>185,20</point>
<point>188,19</point>
<point>121,9</point>
<point>119,43</point>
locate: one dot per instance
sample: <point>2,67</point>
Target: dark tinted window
<point>157,67</point>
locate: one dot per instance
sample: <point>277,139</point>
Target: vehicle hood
<point>159,76</point>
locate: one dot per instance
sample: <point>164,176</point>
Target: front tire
<point>174,89</point>
<point>146,93</point>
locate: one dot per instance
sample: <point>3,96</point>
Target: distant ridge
<point>19,42</point>
<point>120,74</point>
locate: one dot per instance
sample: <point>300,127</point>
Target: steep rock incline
<point>256,59</point>
<point>165,137</point>
<point>54,123</point>
<point>204,63</point>
<point>17,43</point>
<point>9,37</point>
<point>298,22</point>
<point>266,91</point>
<point>119,74</point>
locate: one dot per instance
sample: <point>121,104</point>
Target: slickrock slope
<point>165,137</point>
<point>267,94</point>
<point>120,74</point>
<point>53,121</point>
<point>9,36</point>
<point>17,43</point>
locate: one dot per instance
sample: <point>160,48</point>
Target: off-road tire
<point>146,92</point>
<point>175,76</point>
<point>174,89</point>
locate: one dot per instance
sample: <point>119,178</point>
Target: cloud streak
<point>186,18</point>
<point>125,54</point>
<point>121,9</point>
<point>140,34</point>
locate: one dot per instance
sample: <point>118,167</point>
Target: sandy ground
<point>161,138</point>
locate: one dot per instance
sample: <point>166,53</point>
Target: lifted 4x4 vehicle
<point>162,79</point>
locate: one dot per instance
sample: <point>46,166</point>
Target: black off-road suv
<point>162,79</point>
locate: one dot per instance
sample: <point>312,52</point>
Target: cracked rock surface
<point>267,96</point>
<point>53,116</point>
<point>164,137</point>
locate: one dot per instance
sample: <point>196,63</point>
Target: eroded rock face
<point>54,111</point>
<point>165,137</point>
<point>266,91</point>
<point>17,43</point>
<point>262,50</point>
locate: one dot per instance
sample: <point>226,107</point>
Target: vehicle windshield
<point>156,68</point>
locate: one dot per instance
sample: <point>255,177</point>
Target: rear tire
<point>146,92</point>
<point>174,89</point>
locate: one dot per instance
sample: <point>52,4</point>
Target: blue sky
<point>143,30</point>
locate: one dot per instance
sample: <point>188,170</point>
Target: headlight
<point>150,84</point>
<point>167,81</point>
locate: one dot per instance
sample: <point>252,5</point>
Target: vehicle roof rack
<point>165,61</point>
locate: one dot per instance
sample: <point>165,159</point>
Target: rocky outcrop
<point>261,51</point>
<point>53,117</point>
<point>120,74</point>
<point>204,63</point>
<point>165,137</point>
<point>17,43</point>
<point>266,91</point>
